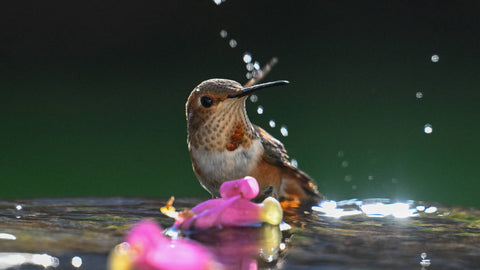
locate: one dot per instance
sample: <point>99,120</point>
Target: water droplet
<point>254,98</point>
<point>76,262</point>
<point>431,210</point>
<point>340,153</point>
<point>248,75</point>
<point>420,208</point>
<point>232,43</point>
<point>344,164</point>
<point>419,95</point>
<point>284,131</point>
<point>19,207</point>
<point>423,255</point>
<point>218,2</point>
<point>223,33</point>
<point>282,246</point>
<point>425,263</point>
<point>435,58</point>
<point>260,110</point>
<point>249,66</point>
<point>256,65</point>
<point>18,217</point>
<point>370,177</point>
<point>272,123</point>
<point>348,178</point>
<point>428,129</point>
<point>354,187</point>
<point>247,57</point>
<point>294,163</point>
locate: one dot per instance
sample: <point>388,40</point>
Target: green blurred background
<point>92,93</point>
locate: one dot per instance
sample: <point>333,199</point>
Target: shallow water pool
<point>78,233</point>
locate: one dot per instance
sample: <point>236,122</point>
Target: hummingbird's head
<point>216,104</point>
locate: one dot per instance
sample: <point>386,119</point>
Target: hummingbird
<point>224,145</point>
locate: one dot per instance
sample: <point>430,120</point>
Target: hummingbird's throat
<point>237,138</point>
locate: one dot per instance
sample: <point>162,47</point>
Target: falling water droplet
<point>249,66</point>
<point>19,207</point>
<point>435,58</point>
<point>256,65</point>
<point>272,123</point>
<point>345,164</point>
<point>428,129</point>
<point>248,75</point>
<point>354,187</point>
<point>419,95</point>
<point>294,163</point>
<point>247,57</point>
<point>223,33</point>
<point>284,131</point>
<point>348,178</point>
<point>253,98</point>
<point>218,2</point>
<point>260,110</point>
<point>232,43</point>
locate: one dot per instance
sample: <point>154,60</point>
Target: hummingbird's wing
<point>298,182</point>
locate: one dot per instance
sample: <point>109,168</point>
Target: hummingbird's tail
<point>299,186</point>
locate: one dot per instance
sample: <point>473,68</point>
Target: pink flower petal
<point>153,251</point>
<point>246,187</point>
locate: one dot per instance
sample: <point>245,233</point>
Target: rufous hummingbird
<point>224,145</point>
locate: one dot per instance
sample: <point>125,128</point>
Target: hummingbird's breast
<point>215,167</point>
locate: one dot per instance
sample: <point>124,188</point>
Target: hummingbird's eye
<point>206,101</point>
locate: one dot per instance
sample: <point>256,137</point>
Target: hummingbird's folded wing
<point>299,184</point>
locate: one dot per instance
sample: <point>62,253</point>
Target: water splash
<point>223,33</point>
<point>218,2</point>
<point>428,129</point>
<point>247,58</point>
<point>232,43</point>
<point>424,262</point>
<point>272,123</point>
<point>376,208</point>
<point>294,163</point>
<point>7,236</point>
<point>15,259</point>
<point>77,261</point>
<point>260,110</point>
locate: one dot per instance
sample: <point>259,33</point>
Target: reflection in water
<point>77,261</point>
<point>7,236</point>
<point>371,208</point>
<point>244,248</point>
<point>16,259</point>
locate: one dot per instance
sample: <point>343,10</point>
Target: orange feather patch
<point>237,138</point>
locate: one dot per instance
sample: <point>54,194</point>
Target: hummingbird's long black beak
<point>249,90</point>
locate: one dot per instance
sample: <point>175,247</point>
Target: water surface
<point>88,228</point>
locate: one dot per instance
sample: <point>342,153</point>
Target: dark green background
<point>92,93</point>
